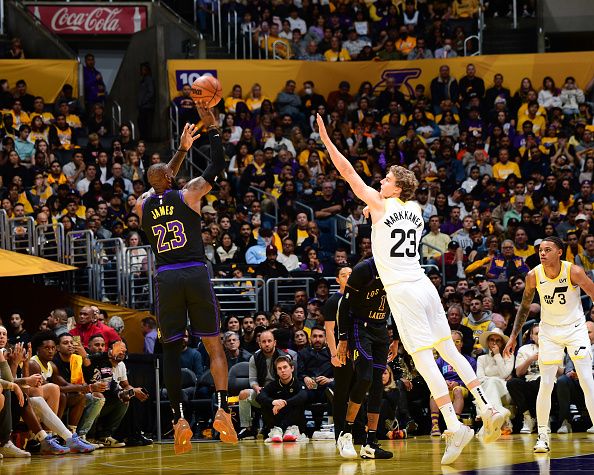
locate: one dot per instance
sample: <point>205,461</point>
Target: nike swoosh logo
<point>541,282</point>
<point>578,325</point>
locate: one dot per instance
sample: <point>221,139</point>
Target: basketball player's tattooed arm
<point>365,193</point>
<point>522,314</point>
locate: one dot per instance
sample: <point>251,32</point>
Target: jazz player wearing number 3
<point>172,222</point>
<point>415,304</point>
<point>562,326</point>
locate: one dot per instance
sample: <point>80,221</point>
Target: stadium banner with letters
<point>272,74</point>
<point>91,19</point>
<point>44,77</point>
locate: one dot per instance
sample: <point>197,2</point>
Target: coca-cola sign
<point>91,20</point>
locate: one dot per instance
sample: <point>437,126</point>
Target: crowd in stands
<point>500,166</point>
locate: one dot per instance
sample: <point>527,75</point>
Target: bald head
<point>590,326</point>
<point>159,177</point>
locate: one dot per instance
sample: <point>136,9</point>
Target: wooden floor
<point>571,453</point>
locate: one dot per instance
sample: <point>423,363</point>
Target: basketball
<point>207,89</point>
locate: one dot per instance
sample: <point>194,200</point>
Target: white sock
<point>543,430</point>
<point>480,398</point>
<point>41,435</point>
<point>450,417</point>
<point>49,419</point>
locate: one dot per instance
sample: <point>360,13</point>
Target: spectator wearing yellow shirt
<point>71,119</point>
<point>465,8</point>
<point>336,51</point>
<point>39,110</point>
<point>235,98</point>
<point>405,42</point>
<point>521,246</point>
<point>62,134</point>
<point>39,131</point>
<point>270,41</point>
<point>574,248</point>
<point>504,168</point>
<point>539,122</point>
<point>255,99</point>
<point>19,116</point>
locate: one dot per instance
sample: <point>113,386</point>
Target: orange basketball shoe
<point>224,426</point>
<point>182,438</point>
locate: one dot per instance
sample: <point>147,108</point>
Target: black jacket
<point>294,393</point>
<point>314,363</point>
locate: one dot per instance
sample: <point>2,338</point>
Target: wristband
<point>182,150</point>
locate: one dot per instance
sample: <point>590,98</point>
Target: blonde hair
<point>391,383</point>
<point>406,180</point>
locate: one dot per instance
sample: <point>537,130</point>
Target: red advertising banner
<point>91,19</point>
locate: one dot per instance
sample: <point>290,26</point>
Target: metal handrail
<point>232,41</point>
<point>240,295</point>
<point>275,55</point>
<point>248,42</point>
<point>261,192</point>
<point>308,209</point>
<point>443,273</point>
<point>52,247</point>
<point>272,287</point>
<point>173,124</point>
<point>116,115</point>
<point>4,235</point>
<point>22,241</point>
<point>472,37</point>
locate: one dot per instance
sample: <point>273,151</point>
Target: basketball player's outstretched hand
<point>322,128</point>
<point>206,115</point>
<point>188,136</point>
<point>510,348</point>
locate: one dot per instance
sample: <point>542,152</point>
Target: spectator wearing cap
<point>455,314</point>
<point>209,215</point>
<point>534,260</point>
<point>436,239</point>
<point>314,313</point>
<point>270,267</point>
<point>462,235</point>
<point>354,44</point>
<point>479,321</point>
<point>506,264</point>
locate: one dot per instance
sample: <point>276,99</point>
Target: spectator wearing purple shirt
<point>93,82</point>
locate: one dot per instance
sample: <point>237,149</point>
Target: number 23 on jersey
<point>406,243</point>
<point>178,239</point>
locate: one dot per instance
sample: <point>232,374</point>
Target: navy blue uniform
<point>183,287</point>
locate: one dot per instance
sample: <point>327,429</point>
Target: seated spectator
<point>191,358</point>
<point>300,340</point>
<point>315,370</point>
<point>85,328</point>
<point>506,264</point>
<point>71,119</point>
<point>311,53</point>
<point>479,322</point>
<point>262,372</point>
<point>446,51</point>
<point>235,354</point>
<point>336,52</point>
<point>571,96</point>
<point>248,335</point>
<point>271,268</point>
<point>455,315</point>
<point>57,320</point>
<point>420,51</point>
<point>18,334</point>
<point>283,403</point>
<point>287,257</point>
<point>149,331</point>
<point>524,387</point>
<point>458,392</point>
<point>494,370</point>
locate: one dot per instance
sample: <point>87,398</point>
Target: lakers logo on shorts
<point>355,355</point>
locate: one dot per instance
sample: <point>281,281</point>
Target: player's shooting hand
<point>188,136</point>
<point>322,129</point>
<point>341,352</point>
<point>206,115</point>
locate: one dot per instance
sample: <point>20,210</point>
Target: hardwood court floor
<point>421,455</point>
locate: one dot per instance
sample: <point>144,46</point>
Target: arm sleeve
<point>217,157</point>
<point>344,317</point>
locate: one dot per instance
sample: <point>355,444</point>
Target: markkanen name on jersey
<point>415,219</point>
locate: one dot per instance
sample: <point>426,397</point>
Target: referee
<point>362,323</point>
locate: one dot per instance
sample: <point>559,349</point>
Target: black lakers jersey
<point>173,229</point>
<point>365,293</point>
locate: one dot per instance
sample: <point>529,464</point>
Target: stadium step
<point>501,38</point>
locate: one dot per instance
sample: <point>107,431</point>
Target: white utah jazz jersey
<point>395,242</point>
<point>560,299</point>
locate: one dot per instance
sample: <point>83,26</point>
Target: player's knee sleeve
<point>448,351</point>
<point>374,399</point>
<point>425,365</point>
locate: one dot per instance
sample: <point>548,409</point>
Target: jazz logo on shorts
<point>560,291</point>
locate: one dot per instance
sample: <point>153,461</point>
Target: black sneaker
<point>247,433</point>
<point>374,451</point>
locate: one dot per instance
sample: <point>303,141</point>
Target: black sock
<point>371,437</point>
<point>221,400</point>
<point>348,427</point>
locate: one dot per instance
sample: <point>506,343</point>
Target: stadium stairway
<point>501,38</point>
